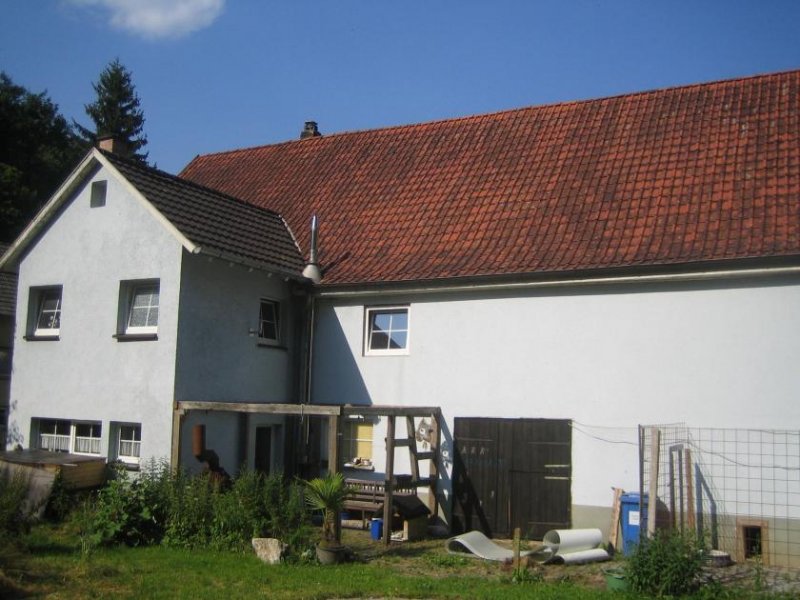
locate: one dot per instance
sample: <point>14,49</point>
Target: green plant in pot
<point>328,495</point>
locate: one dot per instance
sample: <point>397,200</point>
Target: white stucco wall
<point>610,358</point>
<point>220,360</point>
<point>87,374</point>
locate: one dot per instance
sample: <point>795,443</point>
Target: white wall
<point>86,374</point>
<point>610,358</point>
<point>218,359</point>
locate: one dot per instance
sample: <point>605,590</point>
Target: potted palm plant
<point>328,495</point>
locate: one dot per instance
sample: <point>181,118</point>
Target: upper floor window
<point>137,318</point>
<point>143,310</point>
<point>44,313</point>
<point>269,321</point>
<point>386,330</point>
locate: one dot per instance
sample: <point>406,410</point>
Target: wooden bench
<point>367,495</point>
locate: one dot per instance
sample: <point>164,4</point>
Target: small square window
<point>138,310</point>
<point>386,331</point>
<point>44,312</point>
<point>98,196</point>
<point>269,321</point>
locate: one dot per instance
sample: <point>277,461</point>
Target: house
<point>8,296</point>
<point>550,277</point>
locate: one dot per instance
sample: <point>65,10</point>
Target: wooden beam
<point>377,410</point>
<point>333,444</point>
<point>175,454</point>
<point>436,440</point>
<point>322,410</point>
<point>652,500</point>
<point>689,490</point>
<point>613,533</point>
<point>388,482</point>
<point>412,447</point>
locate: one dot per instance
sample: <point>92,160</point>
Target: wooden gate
<point>512,473</point>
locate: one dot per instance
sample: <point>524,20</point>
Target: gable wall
<point>720,354</point>
<point>87,374</point>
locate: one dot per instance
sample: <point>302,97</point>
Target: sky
<point>216,75</point>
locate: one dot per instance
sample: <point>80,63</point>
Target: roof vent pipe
<point>312,270</point>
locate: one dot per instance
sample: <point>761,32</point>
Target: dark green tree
<point>116,112</point>
<point>38,149</point>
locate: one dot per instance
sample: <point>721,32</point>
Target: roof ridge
<point>507,111</point>
<point>183,181</point>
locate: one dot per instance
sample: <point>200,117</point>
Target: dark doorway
<point>512,473</point>
<point>263,455</point>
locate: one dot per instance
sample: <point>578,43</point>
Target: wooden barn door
<point>512,473</point>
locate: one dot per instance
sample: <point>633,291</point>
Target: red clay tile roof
<point>697,173</point>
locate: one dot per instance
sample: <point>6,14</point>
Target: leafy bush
<point>668,564</point>
<point>131,510</point>
<point>176,509</point>
<point>14,515</point>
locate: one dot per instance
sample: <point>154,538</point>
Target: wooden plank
<point>615,510</point>
<point>436,438</point>
<point>264,408</point>
<point>175,454</point>
<point>389,481</point>
<point>689,489</point>
<point>412,448</point>
<point>333,444</point>
<point>377,410</point>
<point>652,501</point>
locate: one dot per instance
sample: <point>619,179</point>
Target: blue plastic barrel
<point>376,529</point>
<point>632,521</point>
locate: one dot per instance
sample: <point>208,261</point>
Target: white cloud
<point>157,19</point>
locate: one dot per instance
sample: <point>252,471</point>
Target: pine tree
<point>116,112</point>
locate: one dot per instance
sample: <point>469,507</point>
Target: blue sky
<point>221,74</point>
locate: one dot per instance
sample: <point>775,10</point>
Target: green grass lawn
<point>48,563</point>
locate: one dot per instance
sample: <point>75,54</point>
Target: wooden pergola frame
<point>335,413</point>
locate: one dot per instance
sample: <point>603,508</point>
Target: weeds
<point>15,512</point>
<point>668,564</point>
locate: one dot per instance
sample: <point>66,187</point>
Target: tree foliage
<point>38,149</point>
<point>116,112</point>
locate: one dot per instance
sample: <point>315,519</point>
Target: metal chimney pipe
<point>312,270</point>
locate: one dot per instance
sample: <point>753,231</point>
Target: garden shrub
<point>668,564</point>
<point>177,509</point>
<point>14,515</point>
<point>131,510</point>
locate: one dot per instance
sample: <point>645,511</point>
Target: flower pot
<point>330,555</point>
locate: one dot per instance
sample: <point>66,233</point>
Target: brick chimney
<point>310,130</point>
<point>112,144</point>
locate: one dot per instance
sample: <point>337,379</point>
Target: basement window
<point>752,541</point>
<point>386,330</point>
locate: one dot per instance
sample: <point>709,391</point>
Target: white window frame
<point>70,442</point>
<point>39,297</point>
<point>132,288</point>
<point>277,310</point>
<point>131,459</point>
<point>369,311</point>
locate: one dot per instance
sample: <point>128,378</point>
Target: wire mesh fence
<point>739,488</point>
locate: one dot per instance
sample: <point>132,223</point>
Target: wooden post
<point>175,454</point>
<point>436,438</point>
<point>615,510</point>
<point>333,444</point>
<point>389,481</point>
<point>689,490</point>
<point>652,500</point>
<point>517,535</point>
